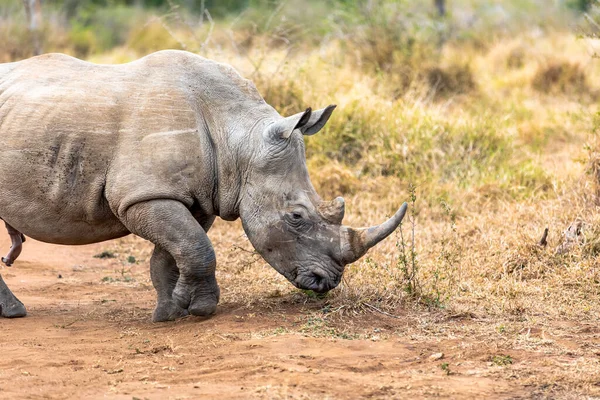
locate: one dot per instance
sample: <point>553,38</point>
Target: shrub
<point>516,58</point>
<point>560,77</point>
<point>581,5</point>
<point>332,179</point>
<point>16,42</point>
<point>394,38</point>
<point>98,29</point>
<point>151,37</point>
<point>283,93</point>
<point>455,79</point>
<point>393,140</point>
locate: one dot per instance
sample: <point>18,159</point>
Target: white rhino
<point>160,147</point>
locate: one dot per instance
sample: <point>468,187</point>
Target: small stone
<point>59,276</point>
<point>436,356</point>
<point>115,371</point>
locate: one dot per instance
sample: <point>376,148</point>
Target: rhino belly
<point>52,186</point>
<point>55,207</point>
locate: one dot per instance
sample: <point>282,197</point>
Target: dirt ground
<point>89,335</point>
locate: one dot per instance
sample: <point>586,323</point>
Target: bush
<point>332,179</point>
<point>560,77</point>
<point>16,42</point>
<point>516,58</point>
<point>394,38</point>
<point>96,30</point>
<point>152,36</point>
<point>391,140</point>
<point>455,79</point>
<point>581,5</point>
<point>284,94</point>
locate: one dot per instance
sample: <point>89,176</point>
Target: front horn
<point>356,242</point>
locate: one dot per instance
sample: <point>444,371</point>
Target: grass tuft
<point>453,80</point>
<point>559,77</point>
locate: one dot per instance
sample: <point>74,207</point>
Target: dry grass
<point>451,81</point>
<point>561,78</point>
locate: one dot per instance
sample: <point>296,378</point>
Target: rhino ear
<point>317,120</point>
<point>283,128</point>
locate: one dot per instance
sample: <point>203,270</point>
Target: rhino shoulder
<point>199,70</point>
<point>173,60</point>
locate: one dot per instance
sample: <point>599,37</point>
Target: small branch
<point>543,241</point>
<point>210,29</point>
<point>33,11</point>
<point>161,21</point>
<point>381,311</point>
<point>69,324</point>
<point>253,252</point>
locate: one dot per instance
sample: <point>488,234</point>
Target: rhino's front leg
<point>10,306</point>
<point>165,274</point>
<point>170,225</point>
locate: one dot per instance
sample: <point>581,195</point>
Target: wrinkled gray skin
<point>159,147</point>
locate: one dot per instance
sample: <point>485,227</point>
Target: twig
<point>70,323</point>
<point>166,27</point>
<point>543,241</point>
<point>591,21</point>
<point>381,311</point>
<point>210,29</point>
<point>253,252</point>
<point>277,10</point>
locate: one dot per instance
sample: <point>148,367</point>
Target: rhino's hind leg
<point>169,224</point>
<point>17,239</point>
<point>164,274</point>
<point>10,306</point>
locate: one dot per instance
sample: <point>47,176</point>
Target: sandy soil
<point>89,335</point>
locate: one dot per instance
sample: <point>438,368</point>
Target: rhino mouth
<point>316,281</point>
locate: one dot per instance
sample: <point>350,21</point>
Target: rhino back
<point>70,129</point>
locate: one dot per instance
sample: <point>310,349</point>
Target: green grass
<point>502,360</point>
<point>423,147</point>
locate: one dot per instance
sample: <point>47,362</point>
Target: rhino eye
<point>297,220</point>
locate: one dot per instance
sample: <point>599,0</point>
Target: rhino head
<point>292,228</point>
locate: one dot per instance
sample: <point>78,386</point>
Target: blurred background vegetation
<point>486,107</point>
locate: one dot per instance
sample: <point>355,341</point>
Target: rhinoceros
<point>160,147</point>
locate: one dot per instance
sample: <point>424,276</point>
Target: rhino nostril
<point>320,282</point>
<point>318,277</point>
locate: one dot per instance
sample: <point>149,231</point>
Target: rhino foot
<point>168,310</point>
<point>10,306</point>
<point>199,300</point>
<point>14,309</point>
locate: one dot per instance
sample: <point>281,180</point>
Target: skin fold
<point>160,147</point>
